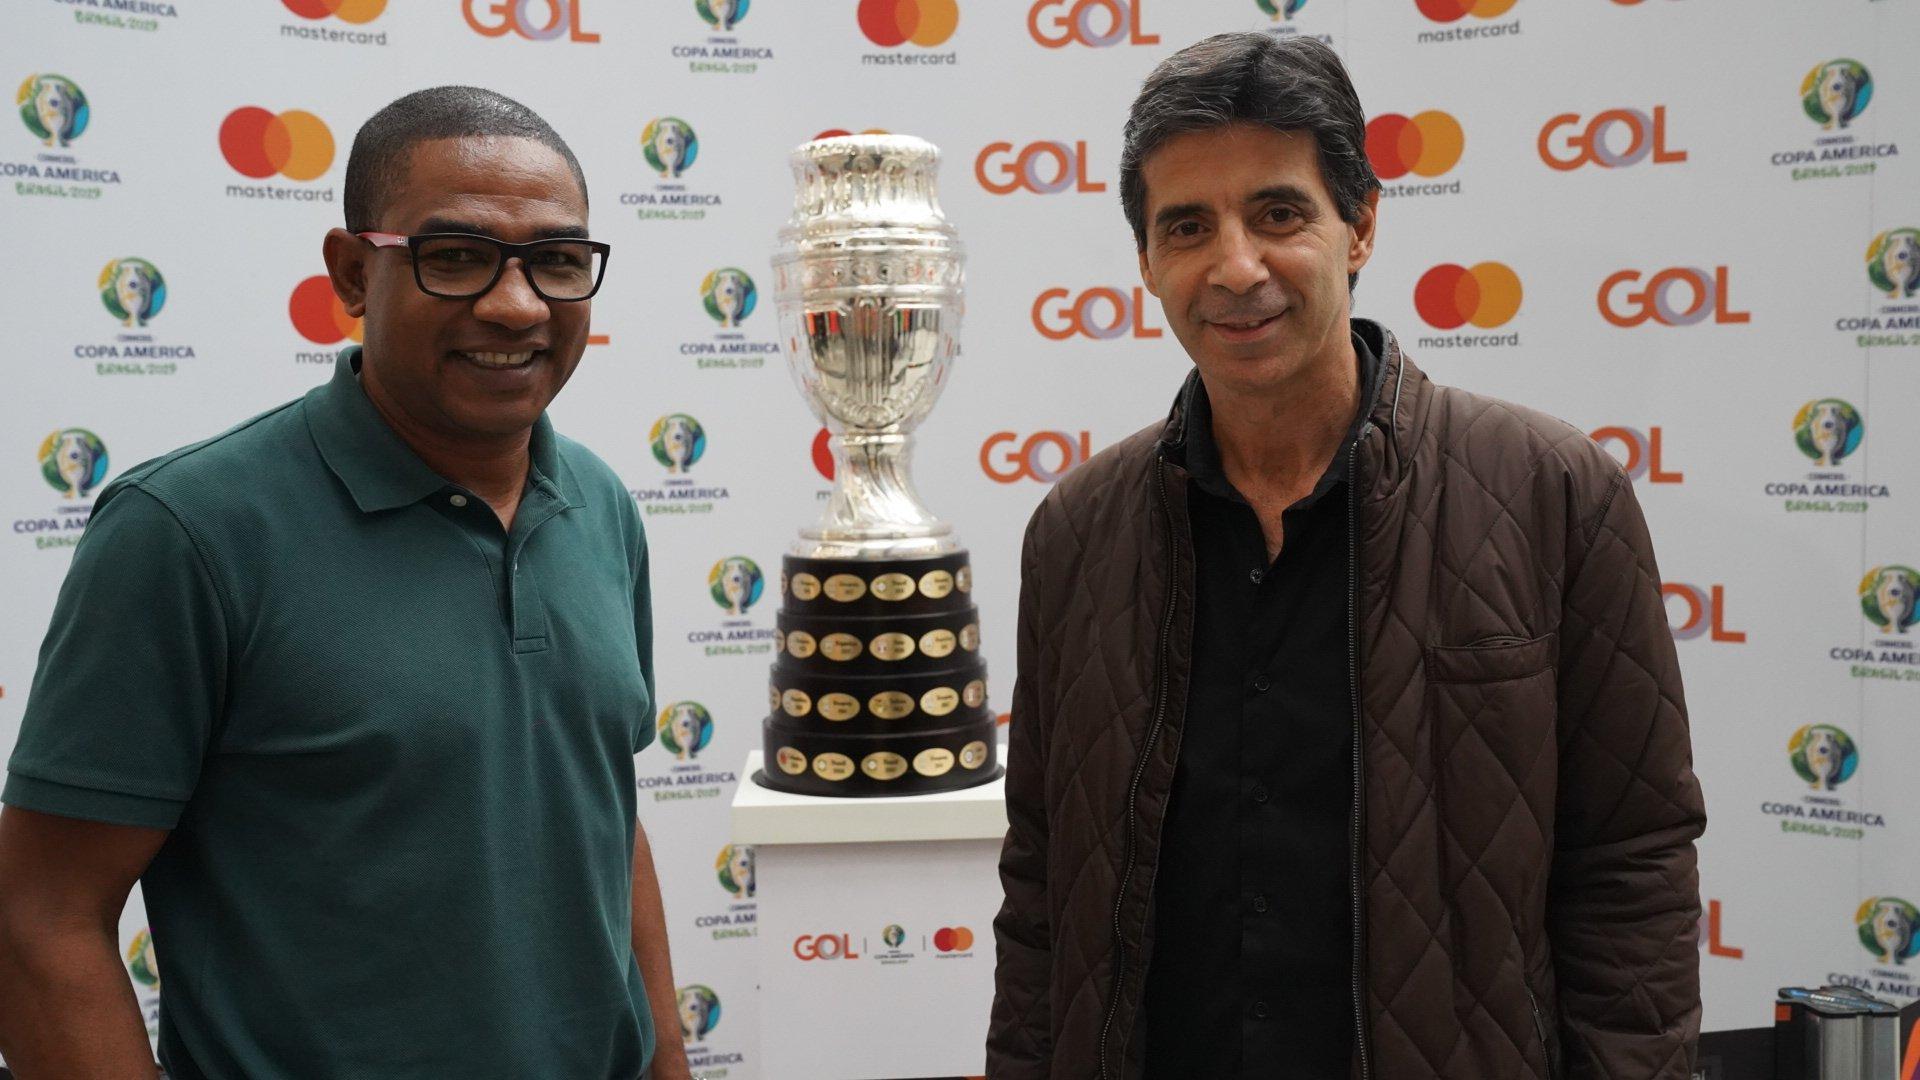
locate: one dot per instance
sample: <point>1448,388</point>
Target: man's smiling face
<point>1247,252</point>
<point>486,366</point>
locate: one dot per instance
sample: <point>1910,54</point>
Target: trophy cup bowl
<point>878,685</point>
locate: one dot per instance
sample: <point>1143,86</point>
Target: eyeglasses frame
<point>507,252</point>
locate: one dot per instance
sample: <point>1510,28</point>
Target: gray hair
<point>1290,84</point>
<point>377,165</point>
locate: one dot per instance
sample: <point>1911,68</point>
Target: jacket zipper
<point>1139,770</point>
<point>1361,1048</point>
<point>1540,1027</point>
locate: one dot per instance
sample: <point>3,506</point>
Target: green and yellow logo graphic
<point>1888,598</point>
<point>132,290</point>
<point>73,461</point>
<point>1823,755</point>
<point>140,961</point>
<point>1836,92</point>
<point>735,583</point>
<point>729,295</point>
<point>734,866</point>
<point>1827,430</point>
<point>54,108</point>
<point>1887,926</point>
<point>669,145</point>
<point>1893,263</point>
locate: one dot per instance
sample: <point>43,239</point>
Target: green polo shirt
<point>393,741</point>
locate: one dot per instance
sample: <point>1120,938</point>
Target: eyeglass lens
<point>451,266</point>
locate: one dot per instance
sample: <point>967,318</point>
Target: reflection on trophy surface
<point>879,688</point>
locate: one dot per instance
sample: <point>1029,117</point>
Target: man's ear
<point>1146,274</point>
<point>1361,249</point>
<point>346,257</point>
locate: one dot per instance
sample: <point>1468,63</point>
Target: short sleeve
<point>131,675</point>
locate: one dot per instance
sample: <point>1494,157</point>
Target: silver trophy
<point>879,687</point>
<point>867,279</point>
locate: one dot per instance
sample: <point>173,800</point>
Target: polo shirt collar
<point>380,471</point>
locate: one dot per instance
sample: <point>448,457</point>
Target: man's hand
<point>67,1009</point>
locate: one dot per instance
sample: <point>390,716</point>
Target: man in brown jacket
<point>1348,737</point>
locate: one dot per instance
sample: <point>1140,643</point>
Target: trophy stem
<point>873,512</point>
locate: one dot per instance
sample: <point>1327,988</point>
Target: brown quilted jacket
<point>1526,798</point>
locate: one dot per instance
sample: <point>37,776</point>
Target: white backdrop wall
<point>1685,141</point>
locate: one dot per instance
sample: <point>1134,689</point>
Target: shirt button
<point>1258,575</point>
<point>1260,1010</point>
<point>457,500</point>
<point>1259,793</point>
<point>1262,683</point>
<point>1260,902</point>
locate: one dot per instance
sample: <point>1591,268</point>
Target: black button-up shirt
<point>1251,969</point>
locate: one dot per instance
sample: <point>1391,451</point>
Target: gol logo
<point>1706,611</point>
<point>1486,295</point>
<point>1428,144</point>
<point>296,144</point>
<point>349,11</point>
<point>1710,930</point>
<point>1058,315</point>
<point>1095,23</point>
<point>926,23</point>
<point>535,20</point>
<point>824,947</point>
<point>953,939</point>
<point>318,314</point>
<point>1451,10</point>
<point>1645,135</point>
<point>822,453</point>
<point>1011,465</point>
<point>1654,300</point>
<point>1022,170</point>
<point>1643,453</point>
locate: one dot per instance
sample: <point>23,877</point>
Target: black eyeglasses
<point>458,266</point>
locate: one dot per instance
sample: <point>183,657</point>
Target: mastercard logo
<point>1428,144</point>
<point>1449,10</point>
<point>352,11</point>
<point>318,314</point>
<point>295,144</point>
<point>926,23</point>
<point>953,939</point>
<point>1486,295</point>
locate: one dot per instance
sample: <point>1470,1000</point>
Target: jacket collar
<point>379,470</point>
<point>1382,381</point>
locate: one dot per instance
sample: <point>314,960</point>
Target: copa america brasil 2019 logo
<point>735,583</point>
<point>73,461</point>
<point>678,441</point>
<point>685,729</point>
<point>54,108</point>
<point>132,290</point>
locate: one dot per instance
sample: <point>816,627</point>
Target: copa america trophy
<point>878,684</point>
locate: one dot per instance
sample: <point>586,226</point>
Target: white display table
<point>876,929</point>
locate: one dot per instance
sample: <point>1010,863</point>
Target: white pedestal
<point>837,879</point>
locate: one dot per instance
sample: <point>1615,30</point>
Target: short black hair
<point>378,162</point>
<point>1291,84</point>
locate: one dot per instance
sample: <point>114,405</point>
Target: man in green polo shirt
<point>354,689</point>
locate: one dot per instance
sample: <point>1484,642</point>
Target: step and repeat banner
<point>1690,227</point>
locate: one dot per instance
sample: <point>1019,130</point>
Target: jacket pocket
<point>1493,660</point>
